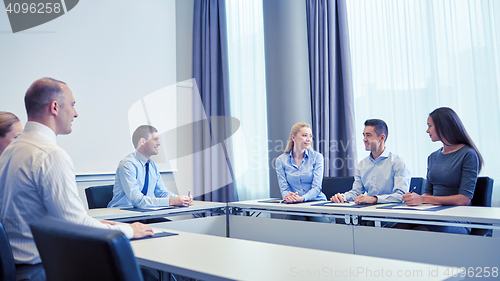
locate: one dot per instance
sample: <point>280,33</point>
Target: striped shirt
<point>37,179</point>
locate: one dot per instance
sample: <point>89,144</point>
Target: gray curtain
<point>331,85</point>
<point>212,170</point>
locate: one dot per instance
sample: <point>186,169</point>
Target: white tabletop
<point>489,215</point>
<point>117,213</point>
<point>217,258</point>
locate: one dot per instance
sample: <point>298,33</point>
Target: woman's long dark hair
<point>450,129</point>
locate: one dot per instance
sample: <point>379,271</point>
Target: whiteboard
<point>112,54</point>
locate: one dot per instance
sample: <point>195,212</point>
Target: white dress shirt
<point>37,179</point>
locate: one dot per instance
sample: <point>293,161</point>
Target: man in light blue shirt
<point>382,177</point>
<point>138,182</point>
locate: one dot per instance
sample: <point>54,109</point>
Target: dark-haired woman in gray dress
<point>452,170</point>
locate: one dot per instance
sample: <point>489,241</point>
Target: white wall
<point>110,53</point>
<point>110,57</point>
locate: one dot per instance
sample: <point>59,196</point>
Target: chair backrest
<point>99,196</point>
<point>76,252</point>
<point>417,185</point>
<point>482,192</point>
<point>7,265</point>
<point>334,185</point>
<point>482,198</point>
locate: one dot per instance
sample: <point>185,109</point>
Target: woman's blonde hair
<point>6,121</point>
<point>295,129</point>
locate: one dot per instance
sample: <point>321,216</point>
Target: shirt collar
<point>141,157</point>
<point>384,155</point>
<point>32,126</point>
<point>306,153</point>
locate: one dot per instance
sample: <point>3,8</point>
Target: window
<point>248,97</point>
<point>410,57</point>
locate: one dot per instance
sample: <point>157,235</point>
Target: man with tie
<point>138,182</point>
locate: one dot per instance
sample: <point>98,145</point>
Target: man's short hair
<point>142,131</point>
<point>40,94</point>
<point>380,127</point>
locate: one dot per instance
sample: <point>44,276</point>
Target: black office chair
<point>75,252</point>
<point>482,198</point>
<point>99,196</point>
<point>7,265</point>
<point>418,183</point>
<point>334,185</point>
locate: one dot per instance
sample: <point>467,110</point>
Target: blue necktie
<point>146,180</point>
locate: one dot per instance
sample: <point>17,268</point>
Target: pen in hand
<point>190,199</point>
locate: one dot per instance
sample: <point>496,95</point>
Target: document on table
<point>419,207</point>
<point>147,209</point>
<point>277,200</point>
<point>423,207</point>
<point>273,200</point>
<point>345,204</point>
<point>158,234</point>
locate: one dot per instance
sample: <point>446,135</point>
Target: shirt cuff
<point>347,197</point>
<point>284,193</point>
<point>389,198</point>
<point>161,202</point>
<point>308,197</point>
<point>127,230</point>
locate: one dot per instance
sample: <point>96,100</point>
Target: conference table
<point>259,230</point>
<point>261,221</point>
<point>208,257</point>
<point>202,217</point>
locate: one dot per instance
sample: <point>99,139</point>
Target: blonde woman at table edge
<point>300,169</point>
<point>10,129</point>
<point>452,170</point>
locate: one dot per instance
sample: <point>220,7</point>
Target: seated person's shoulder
<point>282,158</point>
<point>127,164</point>
<point>394,157</point>
<point>469,150</point>
<point>470,155</point>
<point>316,155</point>
<point>57,154</point>
<point>397,161</point>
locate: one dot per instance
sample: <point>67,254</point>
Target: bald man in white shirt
<point>37,177</point>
